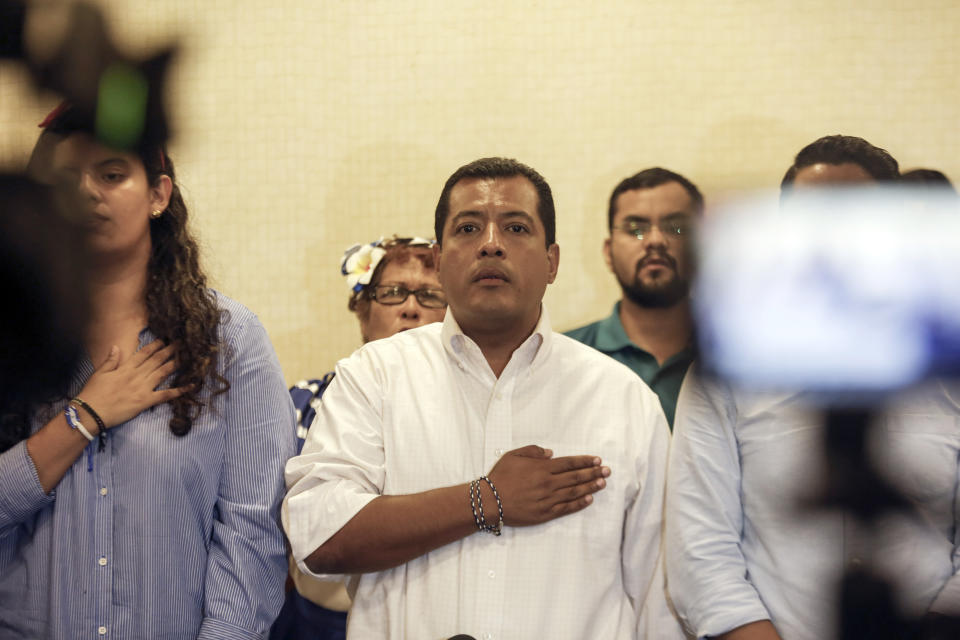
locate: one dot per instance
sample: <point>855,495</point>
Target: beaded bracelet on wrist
<point>476,505</point>
<point>497,528</point>
<point>474,491</point>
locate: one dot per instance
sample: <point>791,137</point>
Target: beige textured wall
<point>308,126</point>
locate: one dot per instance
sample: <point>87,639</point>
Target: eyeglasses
<point>395,294</point>
<point>669,227</point>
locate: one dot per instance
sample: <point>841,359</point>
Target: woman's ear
<point>160,193</point>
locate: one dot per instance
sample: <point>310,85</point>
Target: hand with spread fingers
<point>123,387</point>
<point>535,487</point>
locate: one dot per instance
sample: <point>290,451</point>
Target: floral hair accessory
<point>359,263</point>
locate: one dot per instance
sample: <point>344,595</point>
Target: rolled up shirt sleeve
<point>706,569</point>
<point>341,467</point>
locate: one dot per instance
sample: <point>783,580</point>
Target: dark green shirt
<point>609,337</point>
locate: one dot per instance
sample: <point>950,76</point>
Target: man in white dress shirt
<point>745,560</point>
<point>395,484</point>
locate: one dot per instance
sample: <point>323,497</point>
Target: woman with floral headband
<point>393,287</point>
<point>143,503</point>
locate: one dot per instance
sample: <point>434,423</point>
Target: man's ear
<point>553,256</point>
<point>160,193</point>
<point>436,257</point>
<point>606,254</point>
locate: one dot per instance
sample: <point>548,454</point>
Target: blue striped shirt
<point>166,537</point>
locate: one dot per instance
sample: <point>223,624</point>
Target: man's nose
<point>655,237</point>
<point>492,244</point>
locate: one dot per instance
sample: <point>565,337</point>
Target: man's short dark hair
<point>648,179</point>
<point>487,168</point>
<point>839,149</point>
<point>927,178</point>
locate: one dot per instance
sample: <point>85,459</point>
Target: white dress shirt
<point>423,410</point>
<point>741,548</point>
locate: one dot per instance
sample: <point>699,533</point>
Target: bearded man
<point>648,250</point>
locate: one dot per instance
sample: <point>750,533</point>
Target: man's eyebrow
<point>517,214</point>
<point>470,213</point>
<point>637,216</point>
<point>467,213</point>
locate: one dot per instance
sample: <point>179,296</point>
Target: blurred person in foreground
<point>393,287</point>
<point>748,557</point>
<point>650,217</point>
<point>458,468</point>
<point>144,502</point>
<point>43,278</point>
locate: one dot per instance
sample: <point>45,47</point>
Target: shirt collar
<point>611,336</point>
<point>537,344</point>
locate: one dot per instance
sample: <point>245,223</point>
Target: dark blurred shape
<point>43,287</point>
<point>123,95</point>
<point>12,17</point>
<point>853,484</point>
<point>868,609</point>
<point>938,627</point>
<point>928,178</point>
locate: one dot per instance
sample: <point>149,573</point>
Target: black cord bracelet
<point>496,529</point>
<point>102,436</point>
<point>477,517</point>
<point>476,505</point>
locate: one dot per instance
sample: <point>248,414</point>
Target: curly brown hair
<point>181,309</point>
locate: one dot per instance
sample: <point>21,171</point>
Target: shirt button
<point>499,396</point>
<point>103,491</point>
<point>102,631</point>
<point>102,562</point>
<point>498,452</point>
<point>488,636</point>
<point>492,573</point>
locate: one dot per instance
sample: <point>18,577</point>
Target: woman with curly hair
<point>144,503</point>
